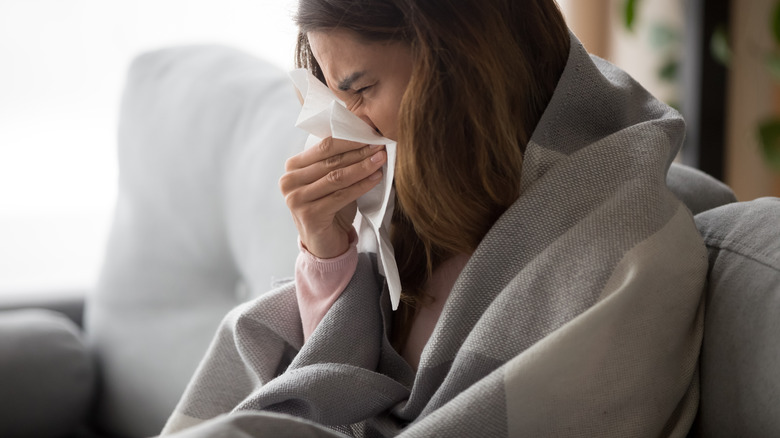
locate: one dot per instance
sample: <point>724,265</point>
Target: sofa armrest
<point>47,374</point>
<point>69,303</point>
<point>740,359</point>
<point>697,190</point>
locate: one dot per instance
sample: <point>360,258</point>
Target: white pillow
<point>200,224</point>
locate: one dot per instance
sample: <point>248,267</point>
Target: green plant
<point>769,129</point>
<point>663,37</point>
<point>629,14</point>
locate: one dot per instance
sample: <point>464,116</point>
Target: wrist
<point>330,247</point>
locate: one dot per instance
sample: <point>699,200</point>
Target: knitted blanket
<point>580,313</point>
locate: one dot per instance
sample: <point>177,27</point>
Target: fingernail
<point>374,146</point>
<point>377,157</point>
<point>375,176</point>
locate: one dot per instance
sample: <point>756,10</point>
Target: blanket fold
<point>580,313</point>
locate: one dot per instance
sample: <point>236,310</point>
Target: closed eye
<point>362,90</point>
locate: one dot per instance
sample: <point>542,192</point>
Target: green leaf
<point>769,137</point>
<point>662,35</point>
<point>773,65</point>
<point>668,71</point>
<point>719,46</point>
<point>629,14</point>
<point>776,22</point>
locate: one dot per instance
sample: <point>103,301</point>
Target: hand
<point>321,186</point>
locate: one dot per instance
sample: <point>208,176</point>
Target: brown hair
<point>484,71</point>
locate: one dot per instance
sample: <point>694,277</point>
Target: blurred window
<point>62,66</point>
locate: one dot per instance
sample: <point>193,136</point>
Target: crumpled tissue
<point>324,115</point>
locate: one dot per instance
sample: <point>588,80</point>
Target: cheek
<point>386,122</point>
<point>382,118</point>
<point>385,118</point>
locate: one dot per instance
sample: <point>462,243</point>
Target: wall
<point>599,25</point>
<point>62,67</point>
<point>752,96</point>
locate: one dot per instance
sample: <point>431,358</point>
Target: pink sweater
<point>319,282</point>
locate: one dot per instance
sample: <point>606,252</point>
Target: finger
<point>341,178</point>
<point>322,150</point>
<point>307,175</point>
<point>334,202</point>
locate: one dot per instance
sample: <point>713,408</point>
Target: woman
<point>551,283</point>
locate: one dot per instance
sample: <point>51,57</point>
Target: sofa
<point>200,226</point>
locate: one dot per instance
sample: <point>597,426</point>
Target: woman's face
<point>370,77</point>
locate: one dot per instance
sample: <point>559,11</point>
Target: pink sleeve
<point>319,282</point>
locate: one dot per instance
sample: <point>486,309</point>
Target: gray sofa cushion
<point>740,368</point>
<point>697,190</point>
<point>47,377</point>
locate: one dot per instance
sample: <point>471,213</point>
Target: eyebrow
<point>347,82</point>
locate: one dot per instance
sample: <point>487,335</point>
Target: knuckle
<point>333,161</point>
<point>289,164</point>
<point>292,200</point>
<point>284,183</point>
<point>326,145</point>
<point>336,176</point>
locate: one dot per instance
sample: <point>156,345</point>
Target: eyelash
<point>362,90</point>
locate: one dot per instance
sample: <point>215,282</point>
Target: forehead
<point>337,43</point>
<point>342,53</point>
<point>339,52</point>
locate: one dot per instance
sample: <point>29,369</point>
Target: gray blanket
<point>580,313</point>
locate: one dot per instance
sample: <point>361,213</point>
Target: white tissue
<point>324,115</point>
